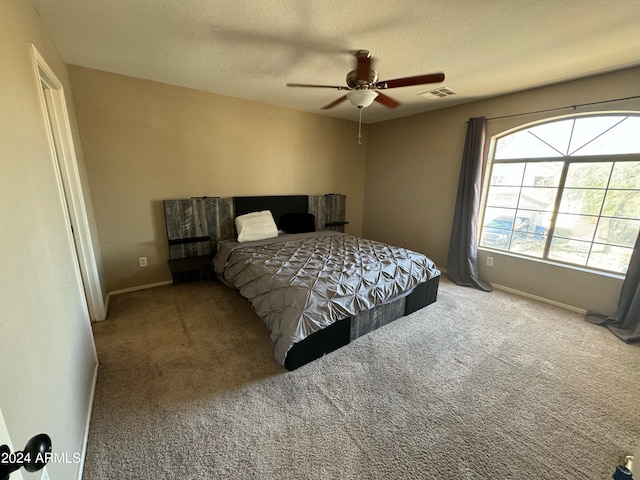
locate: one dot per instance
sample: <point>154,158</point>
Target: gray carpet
<point>476,386</point>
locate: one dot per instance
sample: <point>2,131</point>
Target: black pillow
<point>298,222</point>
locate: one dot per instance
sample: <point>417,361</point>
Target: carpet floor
<point>476,386</point>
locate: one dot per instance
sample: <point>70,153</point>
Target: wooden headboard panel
<point>196,225</point>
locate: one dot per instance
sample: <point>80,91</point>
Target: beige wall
<point>145,141</point>
<point>46,347</point>
<point>413,166</point>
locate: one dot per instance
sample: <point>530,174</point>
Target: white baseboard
<point>533,297</point>
<point>540,299</point>
<point>633,461</point>
<point>88,422</point>
<point>139,287</point>
<point>132,289</point>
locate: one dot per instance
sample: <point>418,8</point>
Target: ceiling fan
<point>363,84</point>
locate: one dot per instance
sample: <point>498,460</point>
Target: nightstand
<point>191,268</point>
<point>196,267</point>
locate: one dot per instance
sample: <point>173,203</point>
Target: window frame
<point>567,161</point>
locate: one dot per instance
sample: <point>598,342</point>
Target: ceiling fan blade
<point>335,102</point>
<point>409,81</point>
<point>307,85</point>
<point>364,66</point>
<point>386,101</point>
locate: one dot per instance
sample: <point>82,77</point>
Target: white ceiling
<point>252,48</point>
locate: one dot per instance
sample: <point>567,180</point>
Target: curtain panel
<point>462,262</point>
<point>625,324</point>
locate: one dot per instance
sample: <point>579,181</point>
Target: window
<point>567,191</point>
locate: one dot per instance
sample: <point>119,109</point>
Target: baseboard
<point>132,289</point>
<point>540,299</point>
<point>633,461</point>
<point>533,297</point>
<point>88,423</point>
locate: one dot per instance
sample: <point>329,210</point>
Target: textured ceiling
<point>251,48</point>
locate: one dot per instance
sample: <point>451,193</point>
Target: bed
<point>317,290</point>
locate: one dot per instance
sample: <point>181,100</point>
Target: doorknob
<point>34,457</point>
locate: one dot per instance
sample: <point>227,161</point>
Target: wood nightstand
<point>195,267</point>
<point>191,268</point>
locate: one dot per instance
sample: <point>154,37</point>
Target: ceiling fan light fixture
<point>362,98</point>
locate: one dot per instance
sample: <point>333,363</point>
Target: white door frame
<point>51,93</point>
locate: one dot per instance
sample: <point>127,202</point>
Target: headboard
<point>196,225</point>
<point>277,204</point>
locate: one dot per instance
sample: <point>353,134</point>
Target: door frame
<point>56,117</point>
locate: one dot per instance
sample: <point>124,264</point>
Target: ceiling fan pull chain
<point>360,126</point>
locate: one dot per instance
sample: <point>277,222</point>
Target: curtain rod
<point>564,108</point>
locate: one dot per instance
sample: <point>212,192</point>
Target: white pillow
<point>256,226</point>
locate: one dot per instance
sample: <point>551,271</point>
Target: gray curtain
<point>462,263</point>
<point>626,322</point>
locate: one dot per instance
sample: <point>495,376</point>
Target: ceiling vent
<point>438,92</point>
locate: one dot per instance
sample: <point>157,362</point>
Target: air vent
<point>439,92</point>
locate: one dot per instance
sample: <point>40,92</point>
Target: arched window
<point>567,190</point>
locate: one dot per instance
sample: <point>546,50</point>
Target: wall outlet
<point>143,261</point>
<point>45,474</point>
<point>489,261</point>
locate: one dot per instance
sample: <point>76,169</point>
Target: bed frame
<point>213,217</point>
<point>346,330</point>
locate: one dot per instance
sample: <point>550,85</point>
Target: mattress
<point>302,283</point>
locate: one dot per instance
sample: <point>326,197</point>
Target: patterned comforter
<point>299,284</point>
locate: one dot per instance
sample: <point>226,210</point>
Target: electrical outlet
<point>489,261</point>
<point>143,261</point>
<point>45,474</point>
